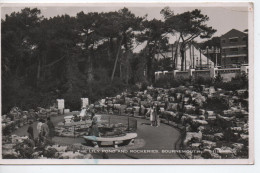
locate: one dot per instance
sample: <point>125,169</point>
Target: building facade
<point>234,48</point>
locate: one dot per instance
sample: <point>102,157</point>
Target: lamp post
<point>216,50</point>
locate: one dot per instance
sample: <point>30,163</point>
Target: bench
<point>126,139</point>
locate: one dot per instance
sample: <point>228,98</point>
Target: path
<point>156,138</point>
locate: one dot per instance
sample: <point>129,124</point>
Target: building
<point>234,48</point>
<point>194,58</point>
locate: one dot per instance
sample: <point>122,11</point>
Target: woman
<point>152,112</point>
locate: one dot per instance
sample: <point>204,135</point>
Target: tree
<point>189,25</point>
<point>154,34</point>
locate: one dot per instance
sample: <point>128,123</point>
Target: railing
<point>229,70</point>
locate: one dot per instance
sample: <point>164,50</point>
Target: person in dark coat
<point>51,128</point>
<point>30,130</point>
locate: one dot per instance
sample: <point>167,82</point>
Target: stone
<point>195,145</point>
<point>199,122</point>
<point>189,109</point>
<point>173,106</point>
<point>238,146</point>
<point>224,152</point>
<point>208,137</point>
<point>202,111</point>
<point>218,136</point>
<point>201,128</point>
<point>236,129</point>
<point>207,154</point>
<point>208,144</point>
<point>192,135</point>
<point>202,117</point>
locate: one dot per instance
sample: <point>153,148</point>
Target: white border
<point>162,161</point>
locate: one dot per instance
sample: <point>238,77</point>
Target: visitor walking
<point>51,128</point>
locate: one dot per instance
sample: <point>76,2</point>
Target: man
<point>30,130</point>
<point>51,128</point>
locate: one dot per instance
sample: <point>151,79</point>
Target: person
<point>158,116</point>
<point>39,127</point>
<point>30,130</point>
<point>44,131</point>
<point>51,128</point>
<point>94,131</point>
<point>151,113</point>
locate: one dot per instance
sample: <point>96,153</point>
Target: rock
<point>58,148</point>
<point>238,146</point>
<point>195,146</point>
<point>244,137</point>
<point>202,111</point>
<point>73,155</point>
<point>192,136</point>
<point>189,109</point>
<point>199,122</point>
<point>208,137</point>
<point>210,113</point>
<point>218,136</point>
<point>225,152</point>
<point>202,117</point>
<point>173,106</point>
<point>236,129</point>
<point>201,128</point>
<point>208,144</point>
<point>208,154</point>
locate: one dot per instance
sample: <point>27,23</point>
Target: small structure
<point>61,105</point>
<point>85,102</point>
<point>124,140</point>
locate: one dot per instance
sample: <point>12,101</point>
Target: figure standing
<point>30,130</point>
<point>51,128</point>
<point>39,128</point>
<point>44,131</point>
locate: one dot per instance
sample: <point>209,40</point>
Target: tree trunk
<point>182,58</point>
<point>38,72</point>
<point>117,55</point>
<point>90,67</point>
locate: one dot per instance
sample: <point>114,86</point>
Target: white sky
<point>223,18</point>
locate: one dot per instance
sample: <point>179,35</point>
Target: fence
<point>128,124</point>
<point>227,73</point>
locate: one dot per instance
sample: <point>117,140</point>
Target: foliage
<point>189,25</point>
<point>89,55</point>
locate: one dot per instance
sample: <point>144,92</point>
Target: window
<point>244,38</point>
<point>223,41</point>
<point>233,40</point>
<point>233,49</point>
<point>234,59</point>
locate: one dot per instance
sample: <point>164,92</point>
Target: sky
<point>222,17</point>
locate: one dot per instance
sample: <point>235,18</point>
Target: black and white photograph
<point>127,83</point>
